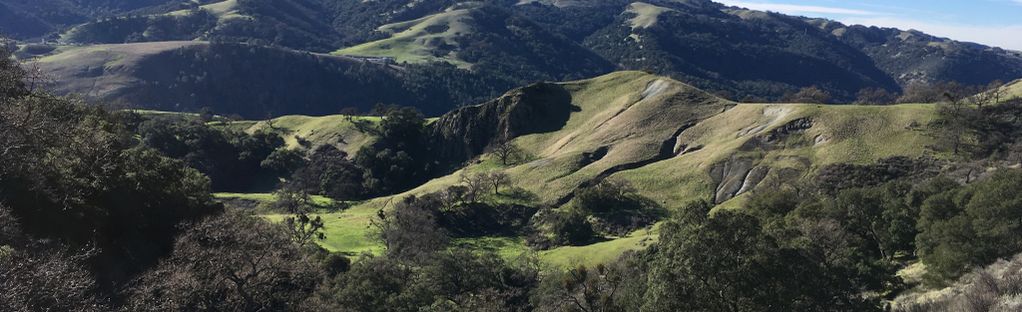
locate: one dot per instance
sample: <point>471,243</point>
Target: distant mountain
<point>298,24</point>
<point>22,19</point>
<point>732,52</point>
<point>485,39</point>
<point>255,81</point>
<point>912,56</point>
<point>742,53</point>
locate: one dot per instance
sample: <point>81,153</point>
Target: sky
<point>990,22</point>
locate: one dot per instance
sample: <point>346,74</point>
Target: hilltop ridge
<point>673,142</point>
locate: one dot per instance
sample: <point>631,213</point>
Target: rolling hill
<point>1013,89</point>
<point>744,53</point>
<point>253,81</point>
<point>915,57</point>
<point>673,142</point>
<point>24,19</point>
<point>488,39</point>
<point>298,24</point>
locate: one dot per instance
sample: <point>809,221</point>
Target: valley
<point>506,155</point>
<point>674,143</point>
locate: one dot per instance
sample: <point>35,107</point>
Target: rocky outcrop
<point>778,137</point>
<point>735,177</point>
<point>467,132</point>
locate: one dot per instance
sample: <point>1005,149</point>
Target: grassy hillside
<point>839,134</point>
<point>421,40</point>
<point>646,14</point>
<point>1013,89</point>
<point>297,24</point>
<point>22,19</point>
<point>253,81</point>
<point>102,71</point>
<point>485,38</point>
<point>223,10</point>
<point>350,133</point>
<point>673,142</point>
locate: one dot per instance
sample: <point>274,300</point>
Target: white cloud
<point>798,9</point>
<point>1000,36</point>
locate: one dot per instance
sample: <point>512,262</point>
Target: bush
<point>450,280</point>
<point>972,226</point>
<point>617,206</point>
<point>410,230</point>
<point>572,228</point>
<point>726,262</point>
<point>992,289</point>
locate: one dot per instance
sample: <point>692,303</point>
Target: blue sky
<point>990,22</point>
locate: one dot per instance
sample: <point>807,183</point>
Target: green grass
<point>317,200</point>
<point>348,232</point>
<point>1013,89</point>
<point>223,10</point>
<point>632,113</point>
<point>413,42</point>
<point>319,130</point>
<point>163,113</point>
<point>646,15</point>
<point>507,247</point>
<point>848,134</point>
<point>602,252</point>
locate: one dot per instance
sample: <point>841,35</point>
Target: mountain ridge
<point>740,54</point>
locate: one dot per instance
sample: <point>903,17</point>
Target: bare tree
<point>507,151</point>
<point>303,229</point>
<point>498,179</point>
<point>811,94</point>
<point>292,200</point>
<point>299,225</point>
<point>921,93</point>
<point>451,196</point>
<point>992,94</point>
<point>234,262</point>
<point>955,113</point>
<point>875,96</point>
<point>410,231</point>
<point>350,113</point>
<point>475,184</point>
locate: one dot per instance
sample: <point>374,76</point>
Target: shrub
<point>617,206</point>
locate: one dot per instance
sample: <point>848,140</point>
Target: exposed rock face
<point>795,126</point>
<point>734,177</point>
<point>777,138</point>
<point>467,132</point>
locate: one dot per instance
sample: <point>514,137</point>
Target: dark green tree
<point>725,262</point>
<point>971,226</point>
